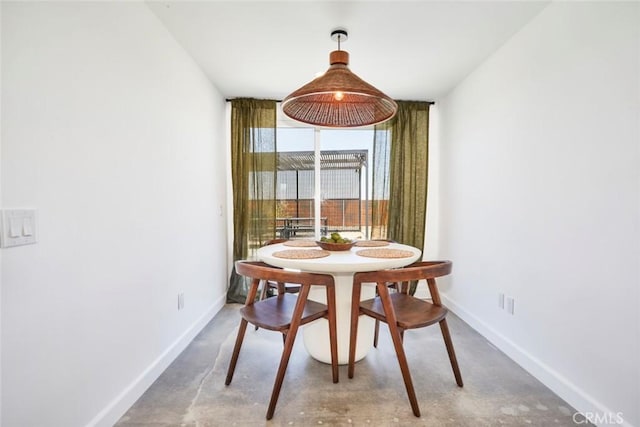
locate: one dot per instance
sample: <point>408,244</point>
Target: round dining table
<point>342,265</point>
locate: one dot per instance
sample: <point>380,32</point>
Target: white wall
<point>113,134</point>
<point>540,199</point>
<point>0,207</point>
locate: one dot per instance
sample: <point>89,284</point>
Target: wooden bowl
<point>335,246</point>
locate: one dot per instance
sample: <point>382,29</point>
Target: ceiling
<point>412,50</point>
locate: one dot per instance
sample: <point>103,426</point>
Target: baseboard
<point>560,385</point>
<point>116,408</point>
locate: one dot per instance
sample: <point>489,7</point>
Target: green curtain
<point>400,171</point>
<point>254,171</point>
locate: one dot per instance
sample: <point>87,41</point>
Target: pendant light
<point>339,98</point>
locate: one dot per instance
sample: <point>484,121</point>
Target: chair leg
<point>236,351</point>
<point>397,343</point>
<point>376,332</point>
<point>404,368</point>
<point>353,336</point>
<point>284,362</point>
<point>286,352</point>
<point>452,354</point>
<point>333,334</point>
<point>265,290</point>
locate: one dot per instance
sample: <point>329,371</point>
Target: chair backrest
<point>417,271</point>
<point>423,270</point>
<point>260,271</point>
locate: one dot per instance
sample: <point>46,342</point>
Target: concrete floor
<point>497,392</point>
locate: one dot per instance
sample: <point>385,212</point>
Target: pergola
<point>329,159</point>
<point>341,183</point>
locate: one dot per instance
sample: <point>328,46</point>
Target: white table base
<point>316,334</point>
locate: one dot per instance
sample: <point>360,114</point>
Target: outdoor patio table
<point>341,265</point>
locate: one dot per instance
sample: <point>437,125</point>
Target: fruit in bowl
<point>335,243</point>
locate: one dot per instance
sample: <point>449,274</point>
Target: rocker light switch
<point>18,227</point>
<point>27,226</point>
<point>14,228</point>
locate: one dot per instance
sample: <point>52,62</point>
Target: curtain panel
<point>400,174</point>
<point>254,169</point>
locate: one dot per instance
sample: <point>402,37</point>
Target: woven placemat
<point>385,253</point>
<point>301,254</point>
<point>372,243</point>
<point>300,243</point>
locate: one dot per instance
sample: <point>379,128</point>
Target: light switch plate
<point>18,227</point>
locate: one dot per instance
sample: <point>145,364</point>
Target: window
<point>340,202</point>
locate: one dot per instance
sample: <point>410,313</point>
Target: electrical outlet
<point>501,301</point>
<point>510,304</point>
<point>180,301</point>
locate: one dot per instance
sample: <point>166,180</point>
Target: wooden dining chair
<point>284,313</point>
<point>402,311</point>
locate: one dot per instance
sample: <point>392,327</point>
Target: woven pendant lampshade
<point>339,98</point>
